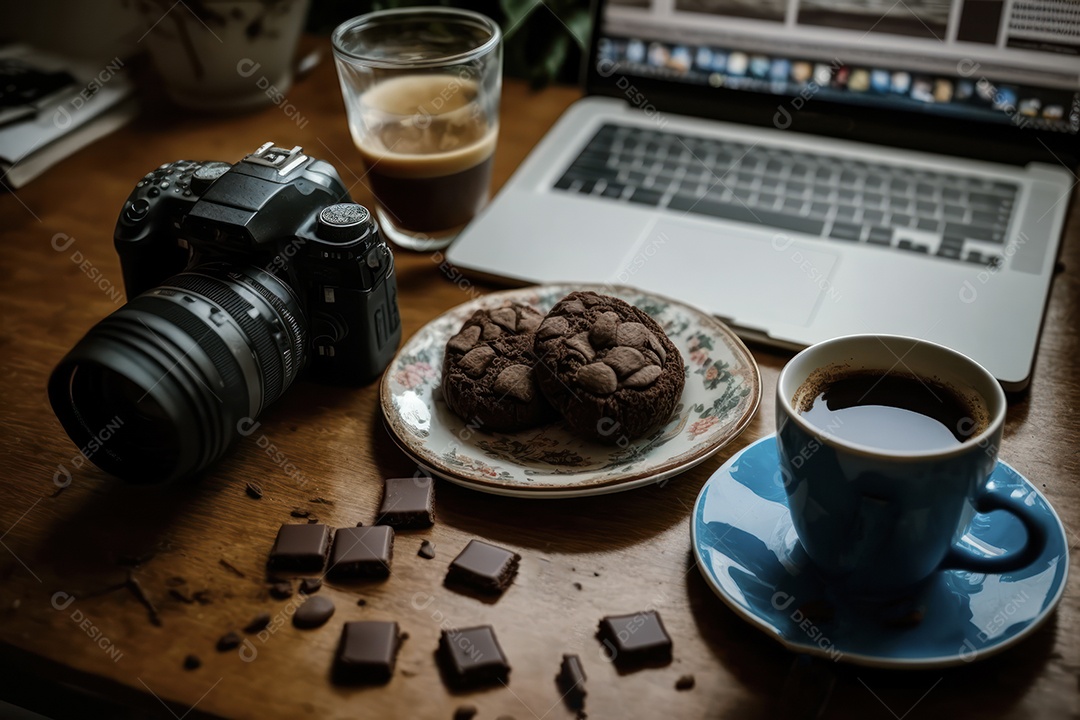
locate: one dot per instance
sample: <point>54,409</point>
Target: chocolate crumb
<point>596,574</point>
<point>192,662</point>
<point>361,602</point>
<point>181,596</point>
<point>299,513</point>
<point>203,597</point>
<point>175,581</point>
<point>309,586</point>
<point>228,641</point>
<point>253,491</point>
<point>465,712</point>
<point>312,520</point>
<point>686,682</point>
<point>281,590</point>
<point>408,673</point>
<point>259,622</point>
<point>359,523</point>
<point>426,551</point>
<point>230,567</point>
<point>321,501</point>
<point>577,586</point>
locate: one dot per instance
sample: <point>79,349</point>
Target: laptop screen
<point>999,62</point>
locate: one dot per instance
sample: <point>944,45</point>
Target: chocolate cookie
<point>607,367</point>
<point>488,377</point>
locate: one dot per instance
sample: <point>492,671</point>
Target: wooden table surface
<point>628,552</point>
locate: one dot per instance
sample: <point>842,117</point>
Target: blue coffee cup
<point>878,521</point>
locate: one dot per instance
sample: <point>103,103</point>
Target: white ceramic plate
<point>721,395</point>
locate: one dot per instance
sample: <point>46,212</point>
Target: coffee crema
<point>428,149</point>
<point>889,411</point>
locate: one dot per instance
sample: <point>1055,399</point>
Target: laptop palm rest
<point>721,271</point>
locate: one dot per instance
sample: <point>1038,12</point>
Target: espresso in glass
<point>889,411</point>
<point>427,147</point>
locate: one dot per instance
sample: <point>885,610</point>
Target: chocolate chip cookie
<point>607,367</point>
<point>488,377</point>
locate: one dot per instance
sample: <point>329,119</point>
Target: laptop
<point>805,169</point>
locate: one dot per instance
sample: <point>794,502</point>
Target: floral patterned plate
<point>721,395</point>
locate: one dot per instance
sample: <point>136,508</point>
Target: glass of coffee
<point>421,88</point>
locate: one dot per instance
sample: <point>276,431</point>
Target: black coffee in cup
<point>890,411</point>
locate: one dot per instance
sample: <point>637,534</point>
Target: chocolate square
<point>367,652</point>
<point>471,657</point>
<point>408,503</point>
<point>362,552</point>
<point>483,567</point>
<point>301,548</point>
<point>571,682</point>
<point>636,640</point>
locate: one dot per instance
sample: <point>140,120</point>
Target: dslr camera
<point>238,276</point>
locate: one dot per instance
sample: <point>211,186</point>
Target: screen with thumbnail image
<point>992,61</point>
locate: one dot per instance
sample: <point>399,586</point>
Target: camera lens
<point>161,388</point>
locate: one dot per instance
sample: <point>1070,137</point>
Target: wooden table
<point>628,552</point>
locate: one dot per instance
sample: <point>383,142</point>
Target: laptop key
<point>613,190</point>
<point>910,245</point>
<point>845,231</point>
<point>740,213</point>
<point>564,182</point>
<point>975,232</point>
<point>873,216</point>
<point>951,252</point>
<point>901,220</point>
<point>928,224</point>
<point>880,236</point>
<point>646,196</point>
<point>587,187</point>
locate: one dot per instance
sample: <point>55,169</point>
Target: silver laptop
<point>811,168</point>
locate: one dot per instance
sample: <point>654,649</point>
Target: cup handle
<point>960,558</point>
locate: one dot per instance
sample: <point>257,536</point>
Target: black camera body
<point>237,276</point>
<point>273,209</point>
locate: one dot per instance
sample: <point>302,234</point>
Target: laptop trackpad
<point>755,279</point>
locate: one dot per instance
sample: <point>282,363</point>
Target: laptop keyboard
<point>950,216</point>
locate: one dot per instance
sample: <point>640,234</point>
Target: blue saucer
<point>749,553</point>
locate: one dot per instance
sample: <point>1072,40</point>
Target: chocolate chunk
<point>426,551</point>
<point>491,331</point>
<point>281,590</point>
<point>228,641</point>
<point>300,547</point>
<point>363,552</point>
<point>476,360</point>
<point>529,321</point>
<point>685,682</point>
<point>644,377</point>
<point>367,652</point>
<point>258,623</point>
<point>580,344</point>
<point>483,567</point>
<point>624,360</point>
<point>465,340</point>
<point>602,333</point>
<point>597,378</point>
<point>465,712</point>
<point>637,640</point>
<point>314,612</point>
<point>573,306</point>
<point>192,662</point>
<point>515,381</point>
<point>552,326</point>
<point>571,682</point>
<point>408,503</point>
<point>253,491</point>
<point>471,657</point>
<point>310,586</point>
<point>657,347</point>
<point>632,334</point>
<point>577,586</point>
<point>505,317</point>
